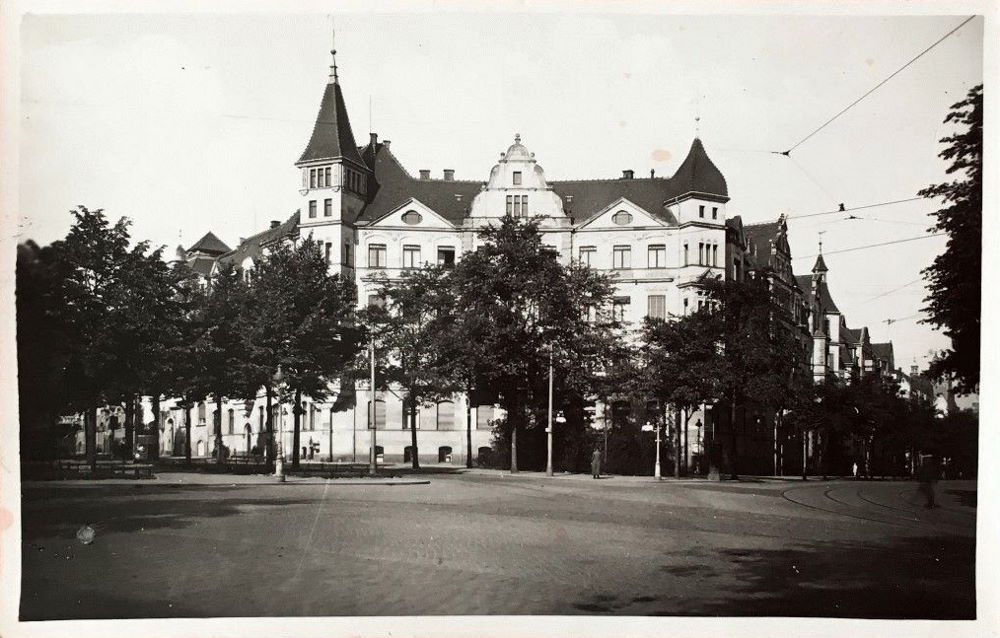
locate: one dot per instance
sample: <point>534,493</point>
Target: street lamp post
<point>279,461</point>
<point>372,457</point>
<point>649,427</point>
<point>548,431</point>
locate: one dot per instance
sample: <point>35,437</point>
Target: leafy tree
<point>44,344</point>
<point>302,323</point>
<point>681,363</point>
<point>529,303</point>
<point>954,278</point>
<point>407,329</point>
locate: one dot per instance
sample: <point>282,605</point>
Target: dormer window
<point>412,217</point>
<point>701,212</point>
<point>517,178</point>
<point>622,218</point>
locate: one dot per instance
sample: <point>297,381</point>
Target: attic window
<point>517,178</point>
<point>622,218</point>
<point>412,217</point>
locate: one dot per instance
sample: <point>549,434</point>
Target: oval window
<point>412,217</point>
<point>621,218</point>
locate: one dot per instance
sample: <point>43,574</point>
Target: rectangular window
<point>327,208</point>
<point>376,255</point>
<point>517,178</point>
<point>446,256</point>
<point>715,212</point>
<point>524,205</point>
<point>685,305</point>
<point>411,256</point>
<point>590,314</point>
<point>622,257</point>
<point>376,301</point>
<point>701,253</point>
<point>510,204</point>
<point>406,417</point>
<point>484,414</point>
<point>260,419</point>
<point>347,254</point>
<point>587,254</point>
<point>326,251</point>
<point>326,176</point>
<point>701,211</point>
<point>312,209</point>
<point>715,254</point>
<point>379,414</point>
<point>517,205</point>
<point>201,413</point>
<point>658,256</point>
<point>657,306</point>
<point>312,178</point>
<point>686,254</point>
<point>618,305</point>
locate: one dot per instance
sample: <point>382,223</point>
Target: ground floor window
<point>484,414</point>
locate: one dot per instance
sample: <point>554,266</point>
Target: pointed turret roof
<point>697,173</point>
<point>332,137</point>
<point>209,244</point>
<point>820,264</point>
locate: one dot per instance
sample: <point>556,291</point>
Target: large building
<point>373,217</point>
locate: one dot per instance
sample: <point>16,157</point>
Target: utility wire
<point>845,210</point>
<point>873,89</point>
<point>885,294</point>
<point>885,243</point>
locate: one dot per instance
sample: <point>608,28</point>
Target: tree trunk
<point>677,440</point>
<point>154,454</point>
<point>468,428</point>
<point>415,456</point>
<point>296,427</point>
<point>687,421</point>
<point>732,432</point>
<point>218,429</point>
<point>805,453</point>
<point>269,426</point>
<point>187,434</point>
<point>90,436</point>
<point>129,428</point>
<point>513,416</point>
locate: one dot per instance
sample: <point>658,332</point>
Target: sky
<point>190,123</point>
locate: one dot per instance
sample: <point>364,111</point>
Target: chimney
<point>914,370</point>
<point>449,175</point>
<point>374,140</point>
<point>628,174</point>
<point>386,144</point>
<point>275,223</point>
<point>652,173</point>
<point>425,173</point>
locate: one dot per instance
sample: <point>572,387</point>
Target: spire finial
<point>697,127</point>
<point>821,242</point>
<point>333,53</point>
<point>517,138</point>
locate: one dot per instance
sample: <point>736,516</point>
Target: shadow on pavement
<point>908,578</point>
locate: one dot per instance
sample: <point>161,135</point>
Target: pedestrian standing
<point>854,469</point>
<point>928,480</point>
<point>595,463</point>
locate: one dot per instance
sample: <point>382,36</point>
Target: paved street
<point>484,543</point>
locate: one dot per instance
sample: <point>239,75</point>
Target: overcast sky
<point>192,123</point>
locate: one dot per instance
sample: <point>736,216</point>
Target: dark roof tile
<point>209,244</point>
<point>331,136</point>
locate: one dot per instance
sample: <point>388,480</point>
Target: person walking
<point>854,469</point>
<point>928,480</point>
<point>595,463</point>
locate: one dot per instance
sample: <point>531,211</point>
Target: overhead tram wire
<point>884,243</point>
<point>787,153</point>
<point>853,208</point>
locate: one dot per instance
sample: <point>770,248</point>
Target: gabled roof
<point>253,247</point>
<point>805,282</point>
<point>698,174</point>
<point>590,196</point>
<point>202,265</point>
<point>883,351</point>
<point>394,186</point>
<point>761,235</point>
<point>331,137</point>
<point>209,244</point>
<point>851,335</point>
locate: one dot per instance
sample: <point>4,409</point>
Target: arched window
<point>622,218</point>
<point>446,415</point>
<point>379,414</point>
<point>232,418</point>
<point>412,217</point>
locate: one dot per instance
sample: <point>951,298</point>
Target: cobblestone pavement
<point>487,543</point>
